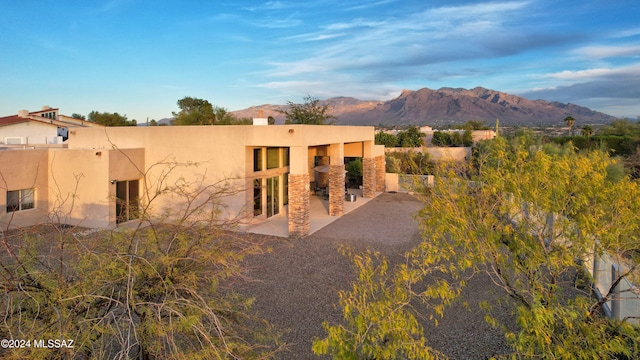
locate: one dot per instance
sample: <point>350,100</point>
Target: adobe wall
<point>24,169</point>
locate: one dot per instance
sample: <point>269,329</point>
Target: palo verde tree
<point>527,218</point>
<point>310,112</point>
<point>155,292</point>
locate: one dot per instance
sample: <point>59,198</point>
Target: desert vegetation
<point>523,213</point>
<point>160,290</point>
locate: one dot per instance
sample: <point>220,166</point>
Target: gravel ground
<point>296,283</point>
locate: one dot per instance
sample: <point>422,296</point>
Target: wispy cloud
<point>601,52</point>
<point>628,72</point>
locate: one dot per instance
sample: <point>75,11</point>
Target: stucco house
<point>45,126</point>
<point>105,173</point>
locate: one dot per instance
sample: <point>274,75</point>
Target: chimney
<point>23,113</point>
<point>260,113</point>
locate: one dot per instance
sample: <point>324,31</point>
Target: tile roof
<point>13,119</point>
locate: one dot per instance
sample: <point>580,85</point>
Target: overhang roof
<point>11,120</point>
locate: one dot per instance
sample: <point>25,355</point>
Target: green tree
<point>310,112</point>
<point>78,116</point>
<point>467,138</point>
<point>386,139</point>
<point>441,138</point>
<point>354,172</point>
<point>194,111</point>
<point>379,321</point>
<point>411,137</point>
<point>526,219</point>
<point>110,119</point>
<point>621,127</point>
<point>587,131</point>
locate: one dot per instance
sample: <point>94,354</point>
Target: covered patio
<point>319,216</point>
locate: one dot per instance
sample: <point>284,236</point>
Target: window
<point>20,200</point>
<point>273,158</point>
<point>257,159</point>
<point>257,197</point>
<point>286,156</point>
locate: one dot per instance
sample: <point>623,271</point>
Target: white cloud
<point>632,71</point>
<point>601,52</point>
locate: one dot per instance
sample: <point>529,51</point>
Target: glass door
<point>273,196</point>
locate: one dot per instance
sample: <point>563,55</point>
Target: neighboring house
<point>103,175</point>
<point>45,126</point>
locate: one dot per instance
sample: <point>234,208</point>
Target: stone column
<point>336,179</point>
<point>298,205</point>
<point>380,171</point>
<point>368,177</point>
<point>336,190</point>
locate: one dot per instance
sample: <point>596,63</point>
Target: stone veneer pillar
<point>298,205</point>
<point>368,177</point>
<point>380,171</point>
<point>336,190</point>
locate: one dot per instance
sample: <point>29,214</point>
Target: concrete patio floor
<point>278,225</point>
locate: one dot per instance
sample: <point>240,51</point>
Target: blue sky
<point>139,57</point>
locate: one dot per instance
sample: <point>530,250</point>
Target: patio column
<point>336,179</point>
<point>381,166</point>
<point>298,216</point>
<point>380,171</point>
<point>368,171</point>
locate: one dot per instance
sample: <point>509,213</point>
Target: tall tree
<point>194,111</point>
<point>569,120</point>
<point>310,112</point>
<point>110,119</point>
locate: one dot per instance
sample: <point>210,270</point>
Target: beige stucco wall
<point>75,184</point>
<point>24,169</point>
<point>80,187</point>
<point>220,152</point>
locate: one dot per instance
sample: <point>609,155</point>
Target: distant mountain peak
<point>447,106</point>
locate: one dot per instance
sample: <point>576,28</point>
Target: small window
<point>273,158</point>
<point>257,159</point>
<point>286,156</point>
<point>18,200</point>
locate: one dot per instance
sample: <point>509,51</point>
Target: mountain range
<point>446,106</point>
